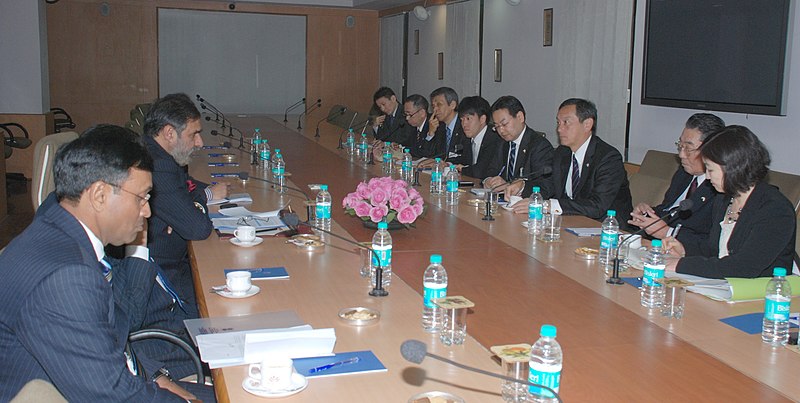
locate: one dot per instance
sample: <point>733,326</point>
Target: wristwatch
<point>161,372</point>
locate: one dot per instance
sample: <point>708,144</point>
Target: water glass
<point>551,228</point>
<point>366,260</point>
<point>512,391</point>
<point>674,302</point>
<point>454,327</point>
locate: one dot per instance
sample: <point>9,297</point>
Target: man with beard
<point>172,132</point>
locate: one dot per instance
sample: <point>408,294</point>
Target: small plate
<point>587,253</point>
<point>359,316</point>
<point>435,396</point>
<point>299,382</point>
<point>255,242</point>
<point>227,294</point>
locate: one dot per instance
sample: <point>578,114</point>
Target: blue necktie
<point>449,137</point>
<point>166,285</point>
<point>107,271</point>
<point>512,156</point>
<point>576,175</point>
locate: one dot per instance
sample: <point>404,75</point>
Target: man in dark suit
<point>474,115</point>
<point>588,175</point>
<point>525,158</point>
<point>172,132</point>
<point>59,321</point>
<point>689,182</point>
<point>451,144</point>
<point>392,125</point>
<point>415,109</point>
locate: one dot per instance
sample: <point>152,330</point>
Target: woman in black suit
<point>753,224</point>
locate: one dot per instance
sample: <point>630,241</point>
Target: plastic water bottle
<point>323,211</point>
<point>265,154</point>
<point>452,179</point>
<point>535,212</point>
<point>382,255</point>
<point>255,148</point>
<point>272,163</point>
<point>775,327</point>
<point>350,144</point>
<point>437,180</point>
<point>407,167</point>
<point>434,282</point>
<point>388,163</point>
<point>278,171</point>
<point>609,236</point>
<point>653,292</point>
<point>363,147</point>
<point>545,365</point>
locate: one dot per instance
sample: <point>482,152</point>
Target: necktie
<point>474,152</point>
<point>162,280</point>
<point>107,271</point>
<point>576,175</point>
<point>449,137</point>
<point>692,187</point>
<point>512,156</point>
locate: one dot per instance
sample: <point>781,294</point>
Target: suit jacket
<point>533,163</point>
<point>395,129</point>
<point>486,154</point>
<point>422,147</point>
<point>762,239</point>
<point>59,321</point>
<point>603,184</point>
<point>175,206</point>
<point>696,222</point>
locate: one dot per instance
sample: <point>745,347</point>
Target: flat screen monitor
<point>721,55</point>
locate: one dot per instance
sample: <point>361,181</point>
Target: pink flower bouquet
<point>384,199</point>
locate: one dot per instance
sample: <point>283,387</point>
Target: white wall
<point>24,78</point>
<point>655,127</point>
<point>391,63</point>
<point>422,68</point>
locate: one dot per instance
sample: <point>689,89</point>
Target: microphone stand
<point>349,127</point>
<point>305,112</point>
<point>377,290</point>
<point>292,106</point>
<point>328,119</point>
<point>684,205</point>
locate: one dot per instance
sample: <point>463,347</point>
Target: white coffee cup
<point>245,233</point>
<point>274,373</point>
<point>238,282</point>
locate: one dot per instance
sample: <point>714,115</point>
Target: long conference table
<point>614,349</point>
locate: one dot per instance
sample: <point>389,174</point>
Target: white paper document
<point>234,198</point>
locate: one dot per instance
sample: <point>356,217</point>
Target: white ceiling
<point>360,4</point>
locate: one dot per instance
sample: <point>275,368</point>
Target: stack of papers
<point>234,198</point>
<point>239,340</point>
<point>584,232</point>
<point>228,219</point>
<point>732,289</point>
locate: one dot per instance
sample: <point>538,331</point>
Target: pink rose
<point>362,208</point>
<point>418,208</point>
<point>379,196</point>
<point>373,184</point>
<point>406,215</point>
<point>362,191</point>
<point>398,198</point>
<point>414,194</point>
<point>399,184</point>
<point>377,213</point>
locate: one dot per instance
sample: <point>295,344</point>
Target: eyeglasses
<point>142,199</point>
<point>681,146</point>
<point>408,115</point>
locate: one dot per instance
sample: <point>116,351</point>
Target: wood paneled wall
<point>101,66</point>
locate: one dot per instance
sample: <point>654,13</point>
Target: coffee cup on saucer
<point>245,233</point>
<point>273,373</point>
<point>238,282</point>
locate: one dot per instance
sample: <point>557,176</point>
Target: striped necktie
<point>512,156</point>
<point>449,137</point>
<point>576,175</point>
<point>164,283</point>
<point>692,187</point>
<point>108,273</point>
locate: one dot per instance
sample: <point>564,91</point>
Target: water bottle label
<point>546,375</point>
<point>777,311</point>
<point>653,273</point>
<point>387,157</point>
<point>323,210</point>
<point>382,254</point>
<point>265,155</point>
<point>406,165</point>
<point>362,147</point>
<point>432,292</point>
<point>534,212</point>
<point>452,186</point>
<point>280,171</point>
<point>608,240</point>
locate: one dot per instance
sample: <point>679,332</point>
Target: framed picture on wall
<point>416,41</point>
<point>548,27</point>
<point>441,65</point>
<point>498,65</point>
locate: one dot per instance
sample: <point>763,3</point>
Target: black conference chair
<point>10,142</point>
<point>145,334</point>
<point>62,120</point>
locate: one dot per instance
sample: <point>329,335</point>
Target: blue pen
<point>333,365</point>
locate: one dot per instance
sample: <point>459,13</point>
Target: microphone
<point>415,351</point>
<point>305,112</point>
<point>246,175</point>
<point>349,127</point>
<point>292,106</point>
<point>685,205</point>
<point>400,126</point>
<point>330,116</point>
<point>292,220</point>
<point>241,139</point>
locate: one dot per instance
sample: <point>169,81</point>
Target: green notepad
<point>739,289</point>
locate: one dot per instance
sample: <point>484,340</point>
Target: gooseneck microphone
<point>328,118</point>
<point>415,351</point>
<point>307,110</point>
<point>685,205</point>
<point>292,220</point>
<point>292,106</point>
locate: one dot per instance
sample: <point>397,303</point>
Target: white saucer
<point>299,382</point>
<point>254,242</point>
<point>252,291</point>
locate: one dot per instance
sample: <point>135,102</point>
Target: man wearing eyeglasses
<point>415,109</point>
<point>688,182</point>
<point>172,132</point>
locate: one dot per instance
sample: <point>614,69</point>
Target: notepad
<point>264,273</point>
<point>367,362</point>
<point>584,232</point>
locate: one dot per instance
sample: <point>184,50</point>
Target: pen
<point>335,364</point>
